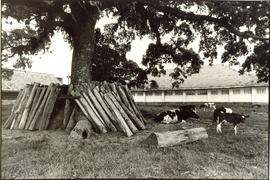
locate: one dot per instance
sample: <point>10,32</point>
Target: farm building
<point>11,87</point>
<point>217,83</point>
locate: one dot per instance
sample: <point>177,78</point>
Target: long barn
<point>217,83</point>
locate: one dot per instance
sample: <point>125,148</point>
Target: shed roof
<point>216,76</point>
<point>20,78</point>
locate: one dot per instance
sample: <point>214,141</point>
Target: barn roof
<point>20,78</point>
<point>216,76</point>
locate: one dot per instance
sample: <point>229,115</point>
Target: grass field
<point>51,154</point>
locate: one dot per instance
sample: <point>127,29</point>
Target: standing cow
<point>232,118</point>
<point>220,110</point>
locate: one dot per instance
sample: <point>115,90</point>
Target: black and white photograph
<point>135,89</point>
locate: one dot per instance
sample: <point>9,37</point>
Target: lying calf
<point>208,105</point>
<point>232,118</point>
<point>220,110</point>
<point>176,115</point>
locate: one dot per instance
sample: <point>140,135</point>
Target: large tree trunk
<point>83,43</point>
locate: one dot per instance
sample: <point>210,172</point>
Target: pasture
<point>51,154</point>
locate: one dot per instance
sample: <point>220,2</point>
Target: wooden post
<point>172,138</point>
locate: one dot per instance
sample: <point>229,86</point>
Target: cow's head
<point>192,113</point>
<point>243,117</point>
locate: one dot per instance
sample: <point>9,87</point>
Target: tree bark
<point>83,43</point>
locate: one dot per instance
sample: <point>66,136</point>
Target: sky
<point>57,60</point>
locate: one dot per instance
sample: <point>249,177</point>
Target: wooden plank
<point>130,124</point>
<point>172,138</point>
<point>102,113</point>
<point>28,106</point>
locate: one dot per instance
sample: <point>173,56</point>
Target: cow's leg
<point>219,127</point>
<point>235,129</point>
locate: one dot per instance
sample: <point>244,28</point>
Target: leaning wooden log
<point>123,97</point>
<point>164,139</point>
<point>97,125</point>
<point>114,89</point>
<point>46,107</point>
<point>8,122</point>
<point>94,109</point>
<point>51,106</point>
<point>28,106</point>
<point>34,106</point>
<point>72,120</point>
<point>123,125</point>
<point>107,109</point>
<point>20,110</point>
<point>68,107</point>
<point>37,121</point>
<point>101,111</point>
<point>133,104</point>
<point>136,121</point>
<point>130,124</point>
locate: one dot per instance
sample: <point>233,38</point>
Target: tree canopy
<point>234,25</point>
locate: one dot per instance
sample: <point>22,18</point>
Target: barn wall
<point>247,94</point>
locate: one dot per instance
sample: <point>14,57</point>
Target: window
<point>236,91</point>
<point>148,93</point>
<point>247,91</point>
<point>168,93</point>
<point>178,92</point>
<point>261,90</point>
<point>214,92</point>
<point>133,93</point>
<point>158,93</point>
<point>189,93</point>
<point>225,91</point>
<point>139,93</point>
<point>202,92</point>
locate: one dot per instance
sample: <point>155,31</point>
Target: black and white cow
<point>176,115</point>
<point>209,105</point>
<point>220,110</point>
<point>232,118</point>
<point>185,107</point>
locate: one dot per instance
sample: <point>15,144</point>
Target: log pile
<point>33,107</point>
<point>107,106</point>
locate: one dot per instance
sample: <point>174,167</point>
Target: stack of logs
<point>109,107</point>
<point>33,107</point>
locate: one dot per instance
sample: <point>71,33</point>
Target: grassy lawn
<point>51,154</point>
